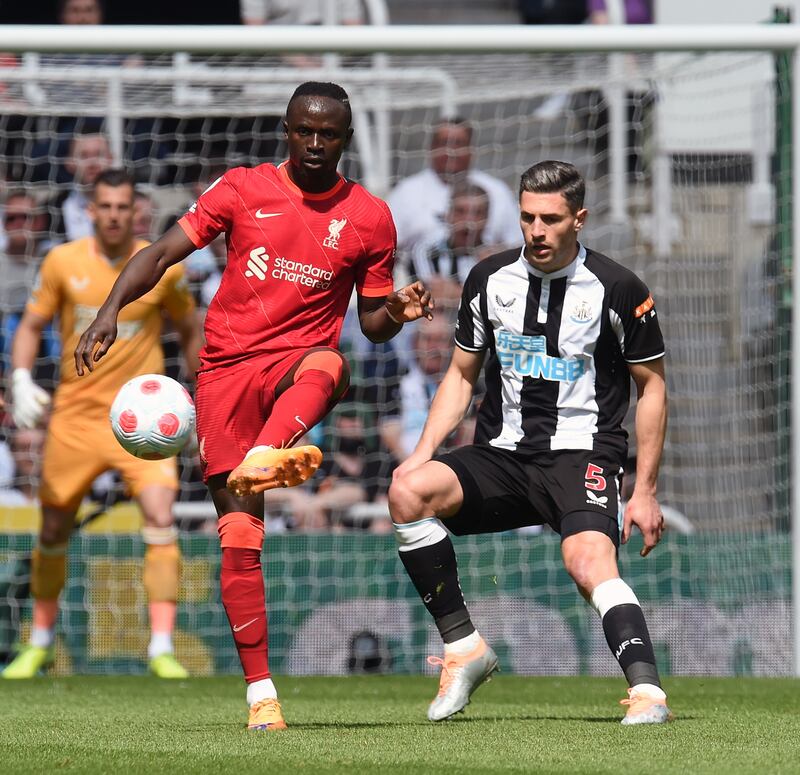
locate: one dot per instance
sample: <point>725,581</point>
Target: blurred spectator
<point>419,203</point>
<point>451,254</point>
<point>24,221</point>
<point>90,92</point>
<point>216,249</point>
<point>89,155</point>
<point>635,11</point>
<point>300,12</point>
<point>26,447</point>
<point>432,346</point>
<point>204,267</point>
<point>144,220</point>
<point>80,12</point>
<point>552,11</point>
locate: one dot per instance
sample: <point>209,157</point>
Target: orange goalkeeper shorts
<point>79,448</point>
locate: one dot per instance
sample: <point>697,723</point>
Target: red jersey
<point>293,260</point>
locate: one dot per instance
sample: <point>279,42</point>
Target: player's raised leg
<point>241,535</point>
<point>590,558</point>
<point>48,577</point>
<point>428,556</point>
<point>161,578</point>
<point>303,397</point>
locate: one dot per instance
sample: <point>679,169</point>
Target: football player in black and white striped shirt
<point>560,330</point>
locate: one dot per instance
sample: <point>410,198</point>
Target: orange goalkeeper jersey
<point>74,281</point>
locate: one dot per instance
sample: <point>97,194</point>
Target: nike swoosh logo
<point>259,214</point>
<point>238,627</point>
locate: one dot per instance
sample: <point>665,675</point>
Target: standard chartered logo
<point>297,272</point>
<point>527,356</point>
<point>257,263</point>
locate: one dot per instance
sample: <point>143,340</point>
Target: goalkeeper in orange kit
<point>74,281</point>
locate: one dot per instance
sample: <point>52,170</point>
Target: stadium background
<point>695,199</point>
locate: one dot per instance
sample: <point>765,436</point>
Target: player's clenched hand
<point>28,400</point>
<point>101,335</point>
<point>644,512</point>
<point>410,303</point>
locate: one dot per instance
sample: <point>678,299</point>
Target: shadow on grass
<point>443,724</point>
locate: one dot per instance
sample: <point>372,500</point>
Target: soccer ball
<point>152,417</point>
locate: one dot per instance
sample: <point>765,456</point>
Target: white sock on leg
<point>463,646</point>
<point>261,690</point>
<point>651,690</point>
<point>160,643</point>
<point>43,637</point>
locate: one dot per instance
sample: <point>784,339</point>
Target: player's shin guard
<point>242,584</point>
<point>319,380</point>
<point>626,631</point>
<point>161,578</point>
<point>427,553</point>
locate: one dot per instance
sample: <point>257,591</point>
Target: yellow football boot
<point>30,661</point>
<point>166,666</point>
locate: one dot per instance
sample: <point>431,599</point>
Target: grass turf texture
<point>377,724</point>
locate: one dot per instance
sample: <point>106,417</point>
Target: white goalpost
<point>685,135</point>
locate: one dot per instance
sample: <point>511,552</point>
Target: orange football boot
<point>266,714</point>
<point>270,468</point>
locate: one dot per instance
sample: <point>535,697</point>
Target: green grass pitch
<point>377,724</point>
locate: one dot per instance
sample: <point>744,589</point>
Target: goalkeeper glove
<point>28,400</point>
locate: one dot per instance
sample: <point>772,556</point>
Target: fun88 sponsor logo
<point>527,356</point>
<point>261,266</point>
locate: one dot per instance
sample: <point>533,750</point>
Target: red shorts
<point>233,403</point>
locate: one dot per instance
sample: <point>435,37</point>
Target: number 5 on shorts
<point>594,480</point>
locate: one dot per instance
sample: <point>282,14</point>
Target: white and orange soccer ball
<point>152,417</point>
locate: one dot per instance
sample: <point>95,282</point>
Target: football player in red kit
<point>300,237</point>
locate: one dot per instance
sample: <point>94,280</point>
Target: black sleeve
<point>636,321</point>
<point>471,326</point>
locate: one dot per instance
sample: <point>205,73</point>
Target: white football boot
<point>644,708</point>
<point>460,677</point>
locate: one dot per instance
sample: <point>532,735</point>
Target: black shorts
<point>570,490</point>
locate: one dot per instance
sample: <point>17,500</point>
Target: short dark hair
<point>115,177</point>
<point>457,121</point>
<point>550,177</point>
<point>323,89</point>
<point>468,189</point>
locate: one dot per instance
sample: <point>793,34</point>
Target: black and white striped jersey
<point>558,347</point>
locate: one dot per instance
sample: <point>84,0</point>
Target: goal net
<point>688,170</point>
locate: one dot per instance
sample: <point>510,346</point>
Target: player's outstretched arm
<point>381,318</point>
<point>449,405</point>
<point>651,427</point>
<point>140,275</point>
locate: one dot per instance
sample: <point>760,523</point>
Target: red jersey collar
<point>305,194</point>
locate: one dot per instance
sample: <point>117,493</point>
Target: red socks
<point>242,585</point>
<point>298,409</point>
